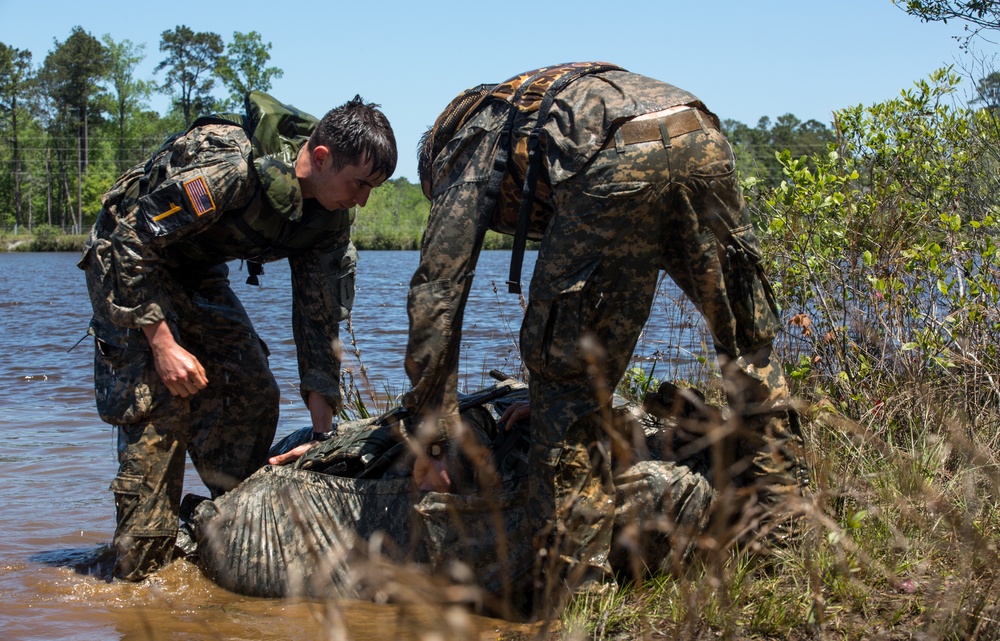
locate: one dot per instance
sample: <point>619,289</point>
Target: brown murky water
<point>57,459</point>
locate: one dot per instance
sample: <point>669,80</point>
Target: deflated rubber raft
<point>314,529</point>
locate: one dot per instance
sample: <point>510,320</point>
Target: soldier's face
<point>345,187</point>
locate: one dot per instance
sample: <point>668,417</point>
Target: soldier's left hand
<point>291,455</point>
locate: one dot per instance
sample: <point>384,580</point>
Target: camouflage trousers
<point>636,209</point>
<point>226,428</point>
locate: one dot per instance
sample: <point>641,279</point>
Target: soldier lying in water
<point>443,504</point>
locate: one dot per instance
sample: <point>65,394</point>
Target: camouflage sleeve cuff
<point>325,385</point>
<point>136,317</point>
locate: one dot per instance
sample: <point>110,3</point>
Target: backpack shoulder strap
<point>489,200</point>
<point>566,75</point>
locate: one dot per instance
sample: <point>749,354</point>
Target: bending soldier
<point>619,176</point>
<point>178,367</point>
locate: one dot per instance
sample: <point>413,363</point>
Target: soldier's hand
<point>518,411</point>
<point>291,455</point>
<point>178,368</point>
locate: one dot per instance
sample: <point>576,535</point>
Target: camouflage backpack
<point>276,132</point>
<point>516,199</point>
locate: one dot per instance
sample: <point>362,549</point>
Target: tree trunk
<point>16,168</point>
<point>121,142</point>
<point>66,211</point>
<point>79,185</point>
<point>48,183</point>
<point>86,139</point>
<point>63,203</point>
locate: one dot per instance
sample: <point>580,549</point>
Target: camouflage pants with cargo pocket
<point>226,428</point>
<point>635,209</point>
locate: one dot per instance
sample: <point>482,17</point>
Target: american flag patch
<point>201,199</point>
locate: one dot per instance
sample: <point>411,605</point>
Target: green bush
<point>885,256</point>
<point>46,238</point>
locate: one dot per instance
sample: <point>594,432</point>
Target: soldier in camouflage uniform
<point>178,367</point>
<point>637,177</point>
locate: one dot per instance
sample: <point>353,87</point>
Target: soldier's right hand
<point>178,368</point>
<point>519,411</point>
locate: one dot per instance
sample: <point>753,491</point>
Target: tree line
<point>70,125</point>
<point>74,122</point>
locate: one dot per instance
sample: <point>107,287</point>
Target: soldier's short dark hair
<point>354,130</point>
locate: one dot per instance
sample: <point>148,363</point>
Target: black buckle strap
<point>254,269</point>
<point>524,211</point>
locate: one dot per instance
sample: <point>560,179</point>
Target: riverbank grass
<point>896,543</point>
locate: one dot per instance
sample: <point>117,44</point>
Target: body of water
<point>57,458</point>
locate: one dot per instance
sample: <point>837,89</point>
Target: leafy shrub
<point>46,238</point>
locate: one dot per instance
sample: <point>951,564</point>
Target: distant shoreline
<point>76,243</point>
<point>29,243</point>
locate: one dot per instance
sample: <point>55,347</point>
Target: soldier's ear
<point>320,154</point>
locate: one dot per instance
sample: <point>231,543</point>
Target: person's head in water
<point>462,463</point>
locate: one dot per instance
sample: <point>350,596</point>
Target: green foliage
<point>191,59</point>
<point>885,256</point>
<point>757,149</point>
<point>46,238</point>
<point>15,67</point>
<point>982,13</point>
<point>75,70</point>
<point>126,97</point>
<point>96,180</point>
<point>244,67</point>
<point>85,110</point>
<point>636,382</point>
<point>15,82</point>
<point>988,91</point>
<point>394,217</point>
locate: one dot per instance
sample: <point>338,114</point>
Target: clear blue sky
<point>744,59</point>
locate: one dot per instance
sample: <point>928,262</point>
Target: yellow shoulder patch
<point>173,210</point>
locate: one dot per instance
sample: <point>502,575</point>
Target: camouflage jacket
<point>212,195</point>
<point>579,122</point>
